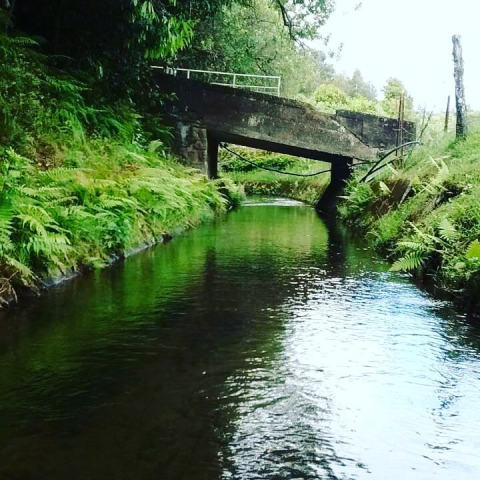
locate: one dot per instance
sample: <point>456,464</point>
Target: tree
<point>251,39</point>
<point>359,87</point>
<point>329,98</point>
<point>461,127</point>
<point>355,86</point>
<point>303,18</point>
<point>113,41</point>
<point>392,91</point>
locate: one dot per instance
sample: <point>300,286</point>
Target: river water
<point>266,345</point>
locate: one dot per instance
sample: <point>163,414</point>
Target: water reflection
<point>267,345</point>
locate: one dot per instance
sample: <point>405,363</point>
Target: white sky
<point>410,40</point>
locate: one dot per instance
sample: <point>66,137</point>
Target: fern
<point>435,184</point>
<point>410,262</point>
<point>413,246</point>
<point>6,215</point>
<point>447,230</point>
<point>473,251</point>
<point>60,175</point>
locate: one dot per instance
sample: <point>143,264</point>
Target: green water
<point>267,345</point>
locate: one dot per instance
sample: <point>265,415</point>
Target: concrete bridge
<point>203,115</point>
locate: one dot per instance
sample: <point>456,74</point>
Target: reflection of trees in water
<point>176,344</point>
<point>269,276</point>
<point>153,327</point>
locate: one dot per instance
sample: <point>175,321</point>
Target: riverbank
<point>85,175</point>
<point>94,202</point>
<point>424,215</point>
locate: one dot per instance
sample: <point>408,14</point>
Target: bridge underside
<point>272,146</point>
<point>340,171</point>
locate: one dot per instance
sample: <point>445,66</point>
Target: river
<point>265,345</point>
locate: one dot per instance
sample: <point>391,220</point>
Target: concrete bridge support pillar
<point>212,157</point>
<point>340,173</point>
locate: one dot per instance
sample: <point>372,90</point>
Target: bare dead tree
<point>447,115</point>
<point>459,87</point>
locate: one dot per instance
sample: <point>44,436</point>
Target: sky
<point>412,41</point>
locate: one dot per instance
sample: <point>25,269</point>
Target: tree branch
<point>287,21</point>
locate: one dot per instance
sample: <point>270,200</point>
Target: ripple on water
<point>265,346</point>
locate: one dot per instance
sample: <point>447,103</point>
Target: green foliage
<point>35,99</point>
<point>473,251</point>
<point>232,163</point>
<point>339,92</point>
<point>356,86</point>
<point>447,230</point>
<point>329,98</point>
<point>413,260</point>
<point>250,37</point>
<point>330,95</point>
<point>357,197</point>
<point>433,225</point>
<point>113,41</point>
<point>303,18</point>
<point>59,219</point>
<point>392,92</point>
<point>78,184</point>
<point>262,182</point>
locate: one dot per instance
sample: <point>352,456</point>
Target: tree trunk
<point>447,114</point>
<point>459,88</point>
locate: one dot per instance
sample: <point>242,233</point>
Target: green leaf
<point>447,230</point>
<point>473,250</point>
<point>411,261</point>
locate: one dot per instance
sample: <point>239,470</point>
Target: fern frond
<point>411,261</point>
<point>473,250</point>
<point>60,174</point>
<point>447,230</point>
<point>23,271</point>
<point>414,246</point>
<point>426,236</point>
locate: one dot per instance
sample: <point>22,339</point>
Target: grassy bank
<point>256,181</point>
<point>104,200</point>
<point>424,214</point>
<point>82,178</point>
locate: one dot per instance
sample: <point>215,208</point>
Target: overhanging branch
<point>287,21</point>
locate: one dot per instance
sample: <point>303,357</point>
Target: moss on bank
<point>425,215</point>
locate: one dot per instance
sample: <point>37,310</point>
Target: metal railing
<point>270,84</point>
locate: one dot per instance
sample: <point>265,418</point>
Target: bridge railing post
<point>263,83</point>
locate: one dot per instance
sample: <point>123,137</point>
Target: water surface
<point>267,345</point>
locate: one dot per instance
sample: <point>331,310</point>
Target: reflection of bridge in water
<point>205,114</point>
